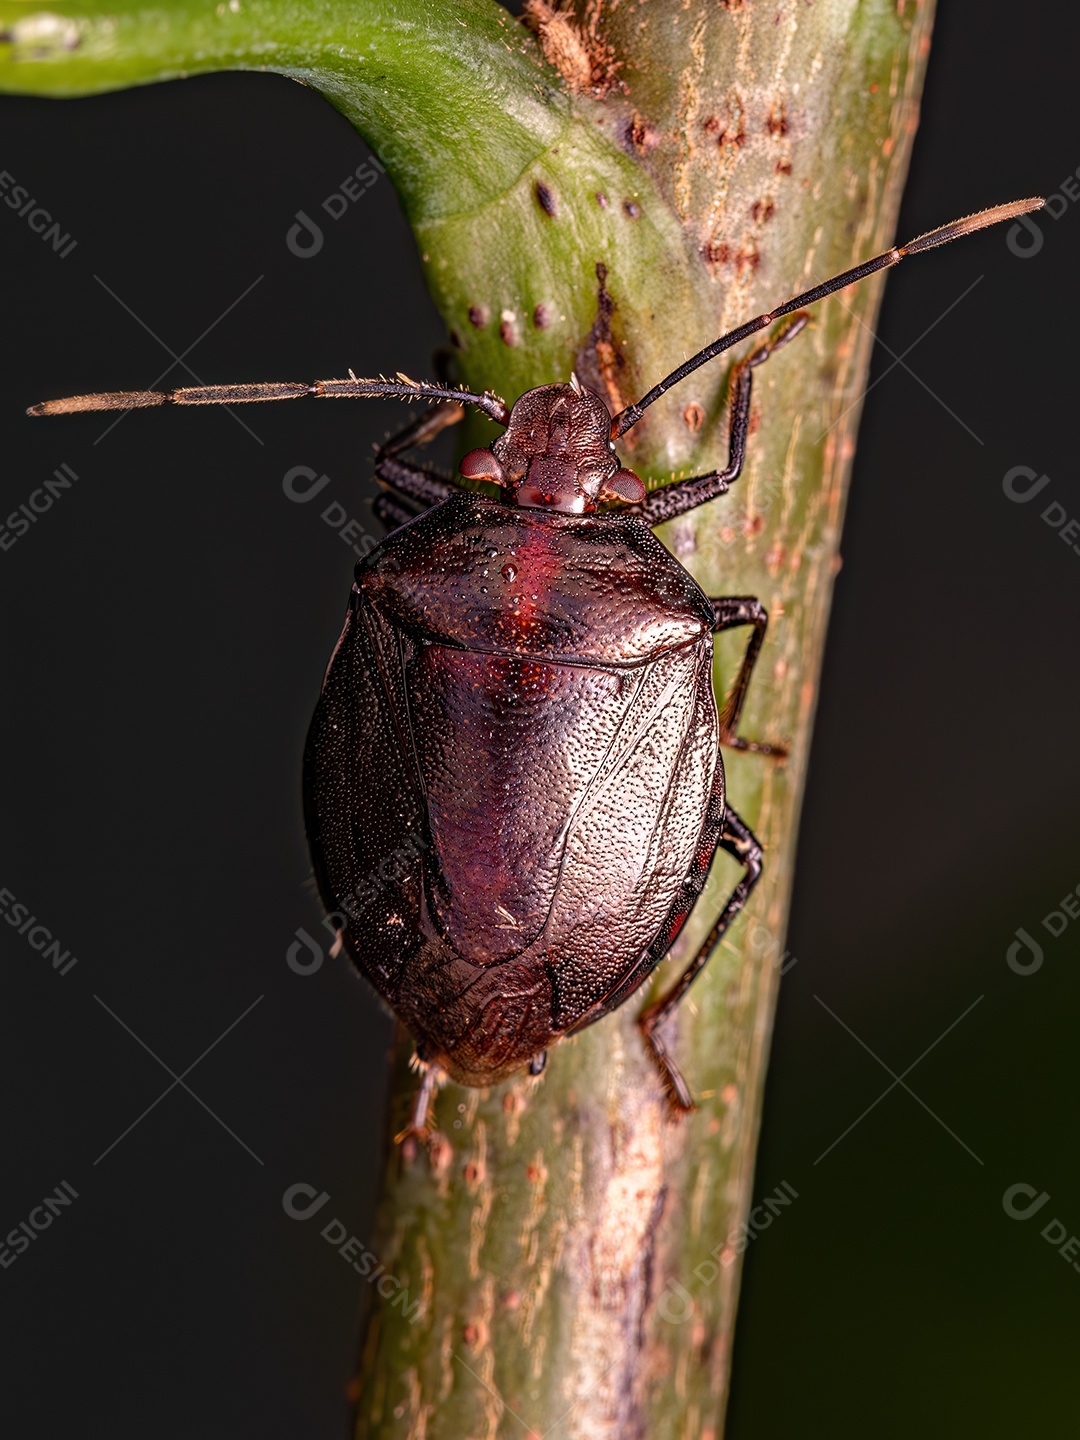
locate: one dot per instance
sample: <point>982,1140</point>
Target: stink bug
<point>517,729</point>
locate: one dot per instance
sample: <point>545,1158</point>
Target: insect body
<point>517,733</point>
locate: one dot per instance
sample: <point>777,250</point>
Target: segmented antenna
<point>401,388</point>
<point>941,236</point>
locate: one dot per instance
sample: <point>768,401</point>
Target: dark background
<point>165,629</point>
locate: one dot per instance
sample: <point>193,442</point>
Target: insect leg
<point>739,841</point>
<point>729,612</point>
<point>392,513</point>
<point>411,488</point>
<point>688,494</point>
<point>421,1113</point>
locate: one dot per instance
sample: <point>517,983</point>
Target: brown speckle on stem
<point>777,123</point>
<point>545,197</point>
<point>693,417</point>
<point>642,135</point>
<point>508,330</point>
<point>727,125</point>
<point>718,253</point>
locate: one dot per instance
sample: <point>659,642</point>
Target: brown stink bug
<point>517,730</point>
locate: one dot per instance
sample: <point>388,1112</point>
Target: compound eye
<point>482,465</point>
<point>624,485</point>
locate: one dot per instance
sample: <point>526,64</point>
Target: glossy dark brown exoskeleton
<point>521,708</point>
<point>517,732</point>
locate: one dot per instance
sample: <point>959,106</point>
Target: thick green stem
<point>574,1252</point>
<point>578,1254</point>
<point>433,87</point>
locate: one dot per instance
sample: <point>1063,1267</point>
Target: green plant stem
<point>574,1253</point>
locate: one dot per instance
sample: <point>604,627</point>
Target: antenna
<point>402,388</point>
<point>941,236</point>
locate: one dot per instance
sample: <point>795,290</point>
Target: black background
<point>165,629</point>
